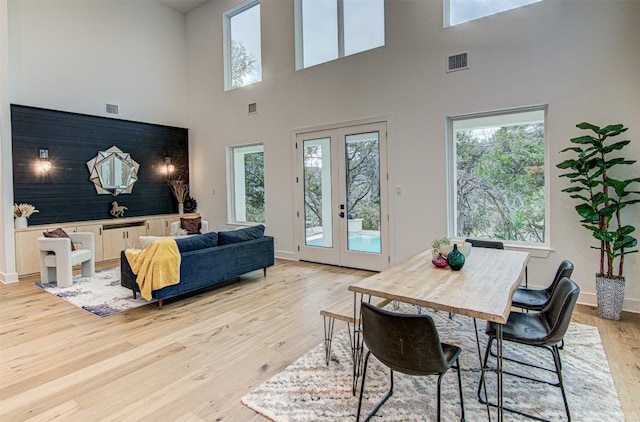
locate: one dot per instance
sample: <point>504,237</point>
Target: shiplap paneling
<point>65,193</point>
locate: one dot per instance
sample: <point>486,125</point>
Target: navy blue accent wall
<point>65,193</point>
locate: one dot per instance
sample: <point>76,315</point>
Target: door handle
<point>341,214</point>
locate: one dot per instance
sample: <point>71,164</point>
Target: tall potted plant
<point>601,198</point>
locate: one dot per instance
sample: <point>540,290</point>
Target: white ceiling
<point>183,6</point>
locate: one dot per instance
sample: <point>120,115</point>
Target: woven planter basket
<point>610,294</point>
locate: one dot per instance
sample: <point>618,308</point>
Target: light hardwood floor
<point>195,359</point>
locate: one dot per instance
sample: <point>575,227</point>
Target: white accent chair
<point>59,264</point>
<point>175,227</point>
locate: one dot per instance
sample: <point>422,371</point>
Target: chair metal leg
<point>556,359</point>
<point>531,365</point>
<point>482,381</point>
<point>439,388</point>
<point>389,394</point>
<point>558,365</point>
<point>357,349</point>
<point>462,418</point>
<point>457,368</point>
<point>364,372</point>
<point>486,401</point>
<point>328,337</point>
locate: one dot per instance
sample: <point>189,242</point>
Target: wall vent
<point>457,62</point>
<point>112,109</point>
<point>253,108</point>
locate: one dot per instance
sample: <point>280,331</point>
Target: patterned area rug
<point>308,390</point>
<point>101,294</point>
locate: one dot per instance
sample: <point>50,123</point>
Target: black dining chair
<point>536,299</point>
<point>489,244</point>
<point>407,343</point>
<point>544,329</point>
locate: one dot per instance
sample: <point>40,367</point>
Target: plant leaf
<point>567,164</point>
<point>587,139</point>
<point>587,212</point>
<point>616,146</point>
<point>625,230</point>
<point>585,125</point>
<point>612,130</point>
<point>584,198</point>
<point>608,211</point>
<point>575,149</point>
<point>604,235</point>
<point>574,189</point>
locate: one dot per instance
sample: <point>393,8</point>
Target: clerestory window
<point>330,29</point>
<point>461,11</point>
<point>242,45</point>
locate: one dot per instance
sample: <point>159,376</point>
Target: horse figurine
<point>117,210</point>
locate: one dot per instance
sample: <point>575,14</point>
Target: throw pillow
<point>241,235</point>
<point>201,241</point>
<point>57,234</point>
<point>191,225</point>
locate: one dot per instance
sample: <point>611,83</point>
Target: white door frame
<point>333,255</point>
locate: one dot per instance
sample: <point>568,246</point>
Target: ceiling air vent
<point>112,109</point>
<point>457,62</point>
<point>253,108</point>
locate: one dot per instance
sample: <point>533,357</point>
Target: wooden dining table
<point>482,289</point>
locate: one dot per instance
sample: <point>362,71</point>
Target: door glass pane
<point>363,192</point>
<point>318,213</point>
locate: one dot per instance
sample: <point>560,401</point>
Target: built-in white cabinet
<point>168,221</point>
<point>156,226</point>
<point>111,236</point>
<point>115,238</point>
<point>96,229</point>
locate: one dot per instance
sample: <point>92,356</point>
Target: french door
<point>342,191</point>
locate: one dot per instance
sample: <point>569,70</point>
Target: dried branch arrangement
<point>179,189</point>
<point>23,210</point>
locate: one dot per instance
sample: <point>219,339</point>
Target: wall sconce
<point>169,165</point>
<point>45,164</point>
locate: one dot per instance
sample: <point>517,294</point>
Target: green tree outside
<point>500,183</point>
<point>241,63</point>
<point>254,186</point>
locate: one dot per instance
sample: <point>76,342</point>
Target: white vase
<point>21,222</point>
<point>181,209</point>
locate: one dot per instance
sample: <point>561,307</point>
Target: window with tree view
<point>246,180</point>
<point>243,55</point>
<point>498,187</point>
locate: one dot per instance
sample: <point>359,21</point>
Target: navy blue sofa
<point>208,266</point>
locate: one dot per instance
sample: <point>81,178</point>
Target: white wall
<point>7,256</point>
<point>581,58</point>
<point>79,55</point>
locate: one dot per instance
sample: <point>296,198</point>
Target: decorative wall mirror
<point>113,172</point>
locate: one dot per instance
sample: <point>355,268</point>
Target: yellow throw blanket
<point>156,266</point>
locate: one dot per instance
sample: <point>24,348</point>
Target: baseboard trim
<point>629,305</point>
<point>8,278</point>
<point>289,256</point>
